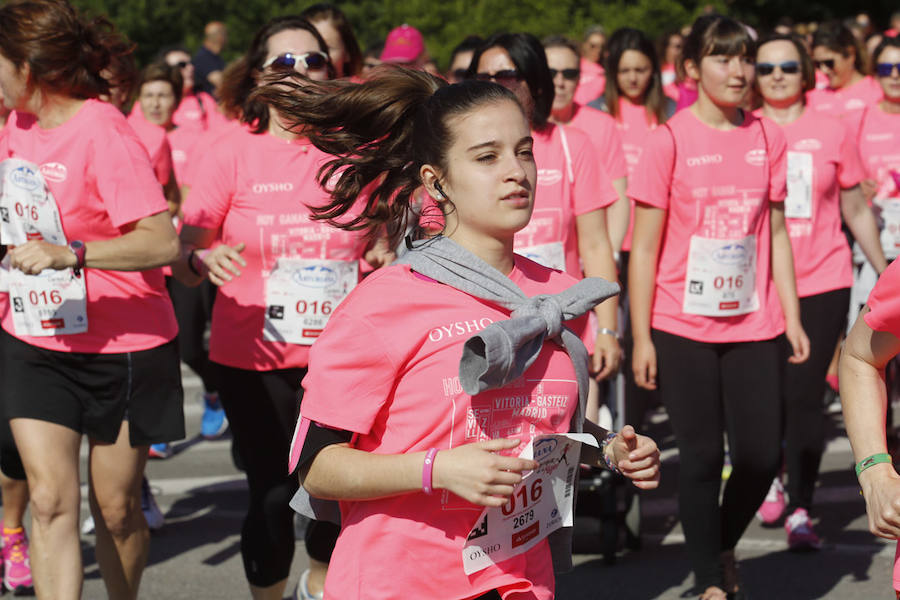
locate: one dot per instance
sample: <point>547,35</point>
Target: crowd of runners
<point>403,285</point>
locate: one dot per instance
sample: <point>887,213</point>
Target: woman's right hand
<point>643,364</point>
<point>221,262</point>
<point>881,489</point>
<point>475,472</point>
<point>869,188</point>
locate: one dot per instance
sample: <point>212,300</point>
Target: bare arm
<point>864,400</point>
<point>642,265</point>
<point>618,215</point>
<point>172,194</point>
<point>861,221</point>
<point>145,244</point>
<point>221,264</point>
<point>786,284</point>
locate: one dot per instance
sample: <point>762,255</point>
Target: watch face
<point>77,245</point>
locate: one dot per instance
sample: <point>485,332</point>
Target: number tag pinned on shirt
<point>540,504</point>
<point>302,293</point>
<point>798,203</point>
<point>721,277</point>
<point>890,219</point>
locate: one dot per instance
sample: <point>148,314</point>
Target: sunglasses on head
<point>313,61</point>
<point>570,74</point>
<point>829,62</point>
<point>791,67</point>
<point>504,77</point>
<point>886,69</point>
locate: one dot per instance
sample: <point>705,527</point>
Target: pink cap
<point>404,44</point>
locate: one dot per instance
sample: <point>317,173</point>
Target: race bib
<point>551,255</point>
<point>721,277</point>
<point>302,293</point>
<point>798,204</point>
<point>52,302</point>
<point>539,505</point>
<point>890,233</point>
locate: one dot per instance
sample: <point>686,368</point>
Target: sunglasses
<point>886,69</point>
<point>313,61</point>
<point>504,77</point>
<point>570,74</point>
<point>458,74</point>
<point>829,63</point>
<point>791,67</point>
<point>181,64</point>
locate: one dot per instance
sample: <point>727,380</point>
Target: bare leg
<point>123,539</point>
<point>15,500</point>
<point>317,572</point>
<point>50,455</point>
<point>272,592</point>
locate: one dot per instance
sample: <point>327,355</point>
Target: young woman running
<point>823,176</point>
<point>279,275</point>
<point>569,229</point>
<point>711,287</point>
<point>411,450</point>
<point>89,343</point>
<point>840,56</point>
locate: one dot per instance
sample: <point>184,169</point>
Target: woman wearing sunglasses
<point>562,58</point>
<point>823,185</point>
<point>280,275</point>
<point>838,54</point>
<point>568,230</point>
<point>711,285</point>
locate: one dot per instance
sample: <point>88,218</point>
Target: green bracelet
<point>869,461</point>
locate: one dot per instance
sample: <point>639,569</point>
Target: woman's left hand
<point>607,356</point>
<point>637,457</point>
<point>33,257</point>
<point>799,342</point>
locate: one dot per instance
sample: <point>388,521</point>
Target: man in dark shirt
<point>208,63</point>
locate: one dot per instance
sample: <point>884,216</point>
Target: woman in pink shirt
<point>89,345</point>
<point>841,57</point>
<point>711,286</point>
<point>569,228</point>
<point>670,45</point>
<point>593,78</point>
<point>280,275</point>
<point>393,430</point>
<point>823,185</point>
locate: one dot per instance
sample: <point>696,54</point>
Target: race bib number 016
<point>539,505</point>
<point>721,277</point>
<point>302,293</point>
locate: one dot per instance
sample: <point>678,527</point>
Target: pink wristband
<point>427,470</point>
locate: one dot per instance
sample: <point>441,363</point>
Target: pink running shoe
<point>16,565</point>
<point>773,506</point>
<point>800,533</point>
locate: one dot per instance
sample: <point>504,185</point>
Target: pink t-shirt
<point>884,302</point>
<point>256,189</point>
<point>204,142</point>
<point>183,140</point>
<point>878,136</point>
<point>571,181</point>
<point>604,135</point>
<point>713,184</point>
<point>388,370</point>
<point>670,85</point>
<point>591,84</point>
<point>635,129</point>
<point>198,111</point>
<point>102,181</point>
<point>153,139</point>
<point>822,260</point>
<point>847,100</point>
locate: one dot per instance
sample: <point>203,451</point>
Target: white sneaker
<point>302,591</point>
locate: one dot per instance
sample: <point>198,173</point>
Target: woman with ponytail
<point>394,426</point>
<point>89,343</point>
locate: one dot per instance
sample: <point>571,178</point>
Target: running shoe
<point>160,451</point>
<point>800,533</point>
<point>302,592</point>
<point>773,506</point>
<point>149,507</point>
<point>213,424</point>
<point>16,564</point>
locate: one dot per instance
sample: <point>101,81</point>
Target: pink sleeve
<point>349,377</point>
<point>884,302</point>
<point>124,177</point>
<point>209,200</point>
<point>593,188</point>
<point>652,178</point>
<point>850,168</point>
<point>777,152</point>
<point>162,162</point>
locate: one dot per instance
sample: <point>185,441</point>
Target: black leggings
<point>823,317</point>
<point>262,408</point>
<point>193,310</point>
<point>708,389</point>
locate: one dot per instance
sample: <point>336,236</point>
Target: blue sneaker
<point>160,450</point>
<point>214,422</point>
